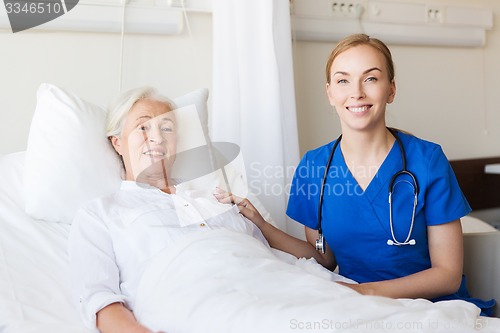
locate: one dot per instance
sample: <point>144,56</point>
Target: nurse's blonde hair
<point>357,40</point>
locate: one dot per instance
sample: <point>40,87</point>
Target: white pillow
<point>199,99</point>
<point>68,158</point>
<point>70,161</point>
<point>472,224</point>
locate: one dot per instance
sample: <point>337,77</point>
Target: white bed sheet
<point>236,280</point>
<point>34,285</point>
<point>35,293</point>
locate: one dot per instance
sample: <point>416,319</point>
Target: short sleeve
<point>304,193</point>
<point>444,199</point>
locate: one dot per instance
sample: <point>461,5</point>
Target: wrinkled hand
<point>244,205</point>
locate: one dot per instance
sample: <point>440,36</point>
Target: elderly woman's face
<point>148,137</point>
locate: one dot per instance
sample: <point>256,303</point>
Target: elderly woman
<point>114,237</point>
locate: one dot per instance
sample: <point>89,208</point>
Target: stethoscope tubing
<point>320,242</point>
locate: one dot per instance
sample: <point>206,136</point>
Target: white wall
<point>446,95</point>
<point>88,65</point>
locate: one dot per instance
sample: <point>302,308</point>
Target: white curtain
<point>253,100</point>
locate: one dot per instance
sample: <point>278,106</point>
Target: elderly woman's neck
<point>159,182</point>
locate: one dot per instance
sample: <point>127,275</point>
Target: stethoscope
<point>320,242</point>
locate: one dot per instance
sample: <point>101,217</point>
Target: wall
<point>88,64</point>
<point>446,95</point>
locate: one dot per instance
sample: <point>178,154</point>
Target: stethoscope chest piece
<point>320,243</point>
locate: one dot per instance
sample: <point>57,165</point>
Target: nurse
<point>407,249</point>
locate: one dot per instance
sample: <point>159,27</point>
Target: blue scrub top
<point>356,222</point>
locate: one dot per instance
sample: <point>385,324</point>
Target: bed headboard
<point>482,190</point>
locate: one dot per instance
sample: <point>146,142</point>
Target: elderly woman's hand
<point>244,205</point>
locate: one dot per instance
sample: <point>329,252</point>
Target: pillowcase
<point>69,160</point>
<point>198,98</point>
<point>472,224</point>
<point>68,157</point>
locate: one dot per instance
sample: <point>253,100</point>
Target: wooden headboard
<point>482,190</point>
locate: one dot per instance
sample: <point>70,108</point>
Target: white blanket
<point>35,288</point>
<point>35,291</point>
<point>220,281</point>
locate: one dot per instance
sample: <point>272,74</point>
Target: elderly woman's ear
<point>116,143</point>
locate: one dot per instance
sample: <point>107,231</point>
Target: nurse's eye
<point>342,81</point>
<point>371,79</point>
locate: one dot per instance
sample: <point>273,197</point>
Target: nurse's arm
<point>444,276</point>
<point>326,259</point>
<point>277,238</point>
<point>280,240</point>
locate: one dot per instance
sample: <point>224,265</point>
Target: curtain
<point>253,99</point>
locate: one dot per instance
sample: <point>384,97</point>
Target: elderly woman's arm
<point>115,318</point>
<point>95,277</point>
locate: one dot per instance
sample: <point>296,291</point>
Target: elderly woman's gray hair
<point>117,112</point>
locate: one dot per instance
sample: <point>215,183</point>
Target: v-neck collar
<point>384,173</point>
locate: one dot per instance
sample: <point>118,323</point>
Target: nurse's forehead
<point>367,71</point>
<point>360,58</point>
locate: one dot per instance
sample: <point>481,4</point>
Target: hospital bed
<point>481,240</point>
<point>35,290</point>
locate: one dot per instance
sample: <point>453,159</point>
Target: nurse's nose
<point>357,91</point>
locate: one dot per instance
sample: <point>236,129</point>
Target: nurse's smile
<point>359,110</point>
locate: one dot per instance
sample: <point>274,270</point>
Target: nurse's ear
<point>329,94</point>
<point>392,92</point>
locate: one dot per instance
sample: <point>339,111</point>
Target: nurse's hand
<point>244,205</point>
<point>362,288</point>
